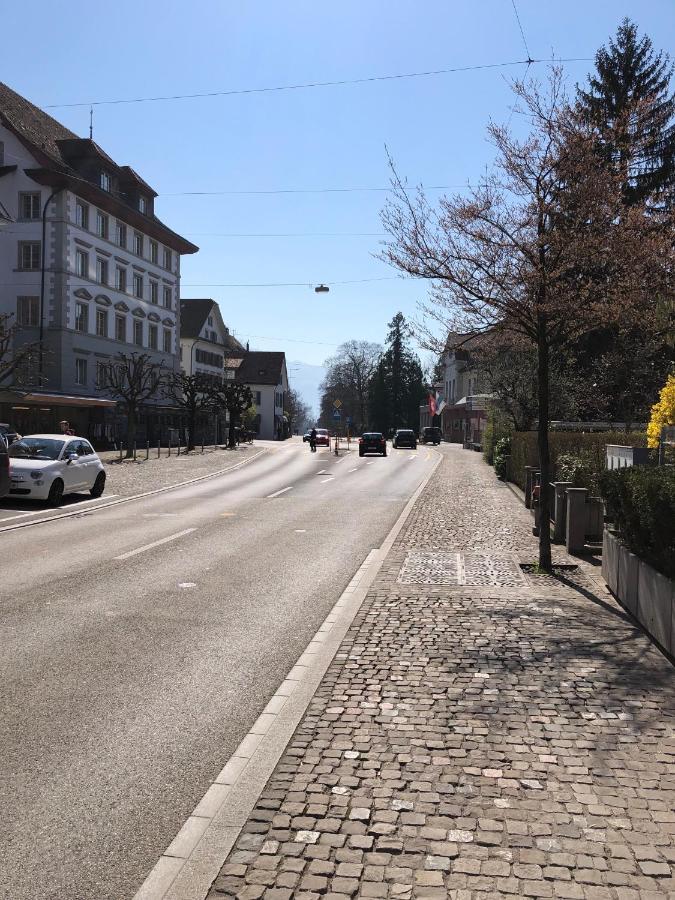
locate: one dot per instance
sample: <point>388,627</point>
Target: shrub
<point>578,468</point>
<point>501,453</point>
<point>524,450</point>
<point>640,501</point>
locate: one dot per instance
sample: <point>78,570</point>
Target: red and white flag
<point>432,405</point>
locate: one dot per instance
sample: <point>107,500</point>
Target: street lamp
<point>321,289</point>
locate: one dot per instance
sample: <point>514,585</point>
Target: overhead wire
<point>522,34</point>
<point>306,85</point>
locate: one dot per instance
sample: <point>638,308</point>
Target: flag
<point>441,406</point>
<point>432,405</point>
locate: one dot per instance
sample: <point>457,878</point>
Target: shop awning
<point>37,398</point>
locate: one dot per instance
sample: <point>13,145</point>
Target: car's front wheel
<point>55,493</point>
<point>98,486</point>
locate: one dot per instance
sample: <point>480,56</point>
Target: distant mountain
<point>305,379</point>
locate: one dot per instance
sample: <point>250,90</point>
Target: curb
<point>187,868</point>
<point>170,487</point>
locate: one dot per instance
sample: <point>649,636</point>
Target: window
<point>102,322</point>
<point>121,278</point>
<point>208,358</point>
<point>167,258</point>
<point>82,263</point>
<point>154,292</point>
<point>101,270</point>
<point>80,371</point>
<point>81,317</point>
<point>152,337</point>
<point>256,397</point>
<point>138,333</point>
<point>105,181</point>
<point>167,297</point>
<point>138,285</point>
<point>81,214</point>
<point>29,206</point>
<point>167,341</point>
<point>210,321</point>
<point>138,243</point>
<point>101,374</point>
<point>28,311</point>
<point>142,205</point>
<point>102,225</point>
<point>29,255</point>
<point>121,328</point>
<point>229,374</point>
<point>154,251</point>
<point>121,235</point>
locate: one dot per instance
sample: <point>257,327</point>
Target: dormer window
<point>142,205</point>
<point>210,321</point>
<point>105,181</point>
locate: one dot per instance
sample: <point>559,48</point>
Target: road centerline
<point>171,537</point>
<point>282,491</point>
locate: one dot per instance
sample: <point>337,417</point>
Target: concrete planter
<point>644,592</point>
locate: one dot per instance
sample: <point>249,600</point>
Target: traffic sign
<point>337,403</point>
<point>336,415</point>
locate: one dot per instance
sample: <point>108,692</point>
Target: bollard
<point>575,536</point>
<point>202,442</point>
<point>147,449</point>
<point>560,511</point>
<point>120,451</point>
<point>178,447</point>
<point>159,452</point>
<point>169,453</point>
<point>134,451</point>
<point>529,484</point>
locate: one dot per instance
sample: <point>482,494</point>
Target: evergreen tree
<point>397,388</point>
<point>629,104</point>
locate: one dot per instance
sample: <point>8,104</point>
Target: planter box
<point>644,592</point>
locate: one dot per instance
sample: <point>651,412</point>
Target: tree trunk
<point>191,429</point>
<point>231,440</point>
<point>544,452</point>
<point>132,420</point>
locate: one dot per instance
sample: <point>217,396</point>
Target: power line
<point>522,34</point>
<point>343,190</point>
<point>262,337</point>
<point>272,284</point>
<point>305,85</point>
<point>284,234</point>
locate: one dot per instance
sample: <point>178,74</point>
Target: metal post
<point>158,448</point>
<point>202,440</point>
<point>120,449</point>
<point>169,453</point>
<point>147,449</point>
<point>134,451</point>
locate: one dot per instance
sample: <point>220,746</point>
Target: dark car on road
<point>372,442</point>
<point>405,437</point>
<point>4,468</point>
<point>431,435</point>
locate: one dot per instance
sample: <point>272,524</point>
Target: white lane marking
<point>410,458</point>
<point>371,463</point>
<point>322,472</point>
<point>301,531</point>
<point>354,470</point>
<point>187,584</point>
<point>47,512</point>
<point>159,515</point>
<point>171,537</point>
<point>326,480</point>
<point>282,491</point>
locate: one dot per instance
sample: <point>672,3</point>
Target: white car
<point>47,466</point>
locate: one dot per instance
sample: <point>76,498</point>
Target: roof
<point>467,341</point>
<point>261,367</point>
<point>193,315</point>
<point>56,149</point>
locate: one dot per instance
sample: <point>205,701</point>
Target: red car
<point>322,437</point>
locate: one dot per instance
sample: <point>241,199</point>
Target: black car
<point>372,442</point>
<point>431,435</point>
<point>405,437</point>
<point>4,468</point>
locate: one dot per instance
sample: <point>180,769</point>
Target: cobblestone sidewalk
<point>482,732</point>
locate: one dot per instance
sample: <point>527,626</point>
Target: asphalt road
<point>140,642</point>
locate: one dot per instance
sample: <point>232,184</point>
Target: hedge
<point>524,450</point>
<point>640,501</point>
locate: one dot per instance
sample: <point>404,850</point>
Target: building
<point>465,416</point>
<point>111,271</point>
<point>205,340</point>
<point>266,375</point>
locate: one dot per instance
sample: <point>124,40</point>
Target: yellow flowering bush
<point>663,412</point>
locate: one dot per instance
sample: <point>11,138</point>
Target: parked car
<point>10,434</point>
<point>405,437</point>
<point>372,442</point>
<point>432,435</point>
<point>322,437</point>
<point>47,466</point>
<point>4,468</point>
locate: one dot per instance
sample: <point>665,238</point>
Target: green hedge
<point>590,446</point>
<point>640,501</point>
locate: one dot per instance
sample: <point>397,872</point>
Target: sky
<point>301,140</point>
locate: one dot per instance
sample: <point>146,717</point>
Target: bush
<point>663,412</point>
<point>501,453</point>
<point>524,451</point>
<point>640,501</point>
<point>579,469</point>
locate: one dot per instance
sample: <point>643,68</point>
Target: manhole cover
<point>439,567</point>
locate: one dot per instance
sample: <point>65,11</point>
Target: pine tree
<point>629,104</point>
<point>397,388</point>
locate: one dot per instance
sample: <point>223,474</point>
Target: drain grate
<point>453,568</point>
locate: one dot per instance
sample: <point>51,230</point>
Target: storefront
<point>38,412</point>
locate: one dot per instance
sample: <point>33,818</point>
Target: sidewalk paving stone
<point>482,736</point>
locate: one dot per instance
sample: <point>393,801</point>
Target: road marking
<point>301,531</point>
<point>171,537</point>
<point>326,480</point>
<point>187,584</point>
<point>354,470</point>
<point>159,515</point>
<point>48,512</point>
<point>371,463</point>
<point>282,491</point>
<point>322,472</point>
<point>226,514</point>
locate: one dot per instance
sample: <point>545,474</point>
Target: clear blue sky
<point>328,137</point>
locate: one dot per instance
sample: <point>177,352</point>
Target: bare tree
<point>297,411</point>
<point>17,360</point>
<point>234,397</point>
<point>544,247</point>
<point>347,379</point>
<point>191,394</point>
<point>134,379</point>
